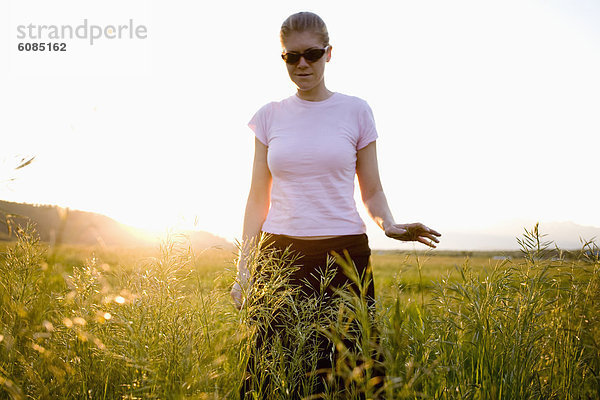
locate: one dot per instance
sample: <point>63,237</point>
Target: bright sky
<point>486,111</point>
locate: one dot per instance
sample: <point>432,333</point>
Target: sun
<point>151,222</point>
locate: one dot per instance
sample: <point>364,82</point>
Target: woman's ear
<point>328,54</point>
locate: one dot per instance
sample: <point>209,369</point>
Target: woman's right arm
<point>257,207</point>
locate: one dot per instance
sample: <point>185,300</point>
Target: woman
<point>308,148</point>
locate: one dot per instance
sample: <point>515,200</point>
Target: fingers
<point>416,232</point>
<point>430,237</point>
<point>237,300</point>
<point>419,227</point>
<point>237,295</point>
<point>427,242</point>
<point>434,232</point>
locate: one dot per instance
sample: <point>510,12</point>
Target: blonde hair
<point>304,21</point>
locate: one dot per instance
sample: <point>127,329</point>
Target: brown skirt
<point>314,255</point>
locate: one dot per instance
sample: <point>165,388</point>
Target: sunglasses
<point>310,55</point>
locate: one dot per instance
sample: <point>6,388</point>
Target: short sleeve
<point>367,132</point>
<point>259,124</point>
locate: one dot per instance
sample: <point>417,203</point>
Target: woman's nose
<point>303,62</point>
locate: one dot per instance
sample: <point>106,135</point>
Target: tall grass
<point>164,327</point>
<point>514,331</point>
<point>282,332</point>
<point>100,333</point>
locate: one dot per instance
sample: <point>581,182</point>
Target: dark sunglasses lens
<point>291,58</point>
<point>311,55</point>
<point>314,54</point>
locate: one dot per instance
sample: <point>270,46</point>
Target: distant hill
<point>566,235</point>
<point>61,225</point>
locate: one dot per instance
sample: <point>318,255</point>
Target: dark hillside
<point>58,225</point>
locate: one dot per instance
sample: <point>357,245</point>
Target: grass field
<point>101,323</point>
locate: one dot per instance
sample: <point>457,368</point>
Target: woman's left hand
<point>416,232</point>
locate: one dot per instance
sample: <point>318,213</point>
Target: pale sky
<point>487,112</point>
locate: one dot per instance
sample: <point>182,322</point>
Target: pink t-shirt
<point>312,158</point>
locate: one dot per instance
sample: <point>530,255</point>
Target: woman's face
<point>306,75</point>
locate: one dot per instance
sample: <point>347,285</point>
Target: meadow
<point>158,323</point>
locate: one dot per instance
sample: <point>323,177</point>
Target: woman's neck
<point>319,93</point>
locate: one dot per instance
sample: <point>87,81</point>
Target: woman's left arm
<point>376,203</point>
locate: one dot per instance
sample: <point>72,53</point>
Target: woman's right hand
<point>241,287</point>
<point>237,295</point>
